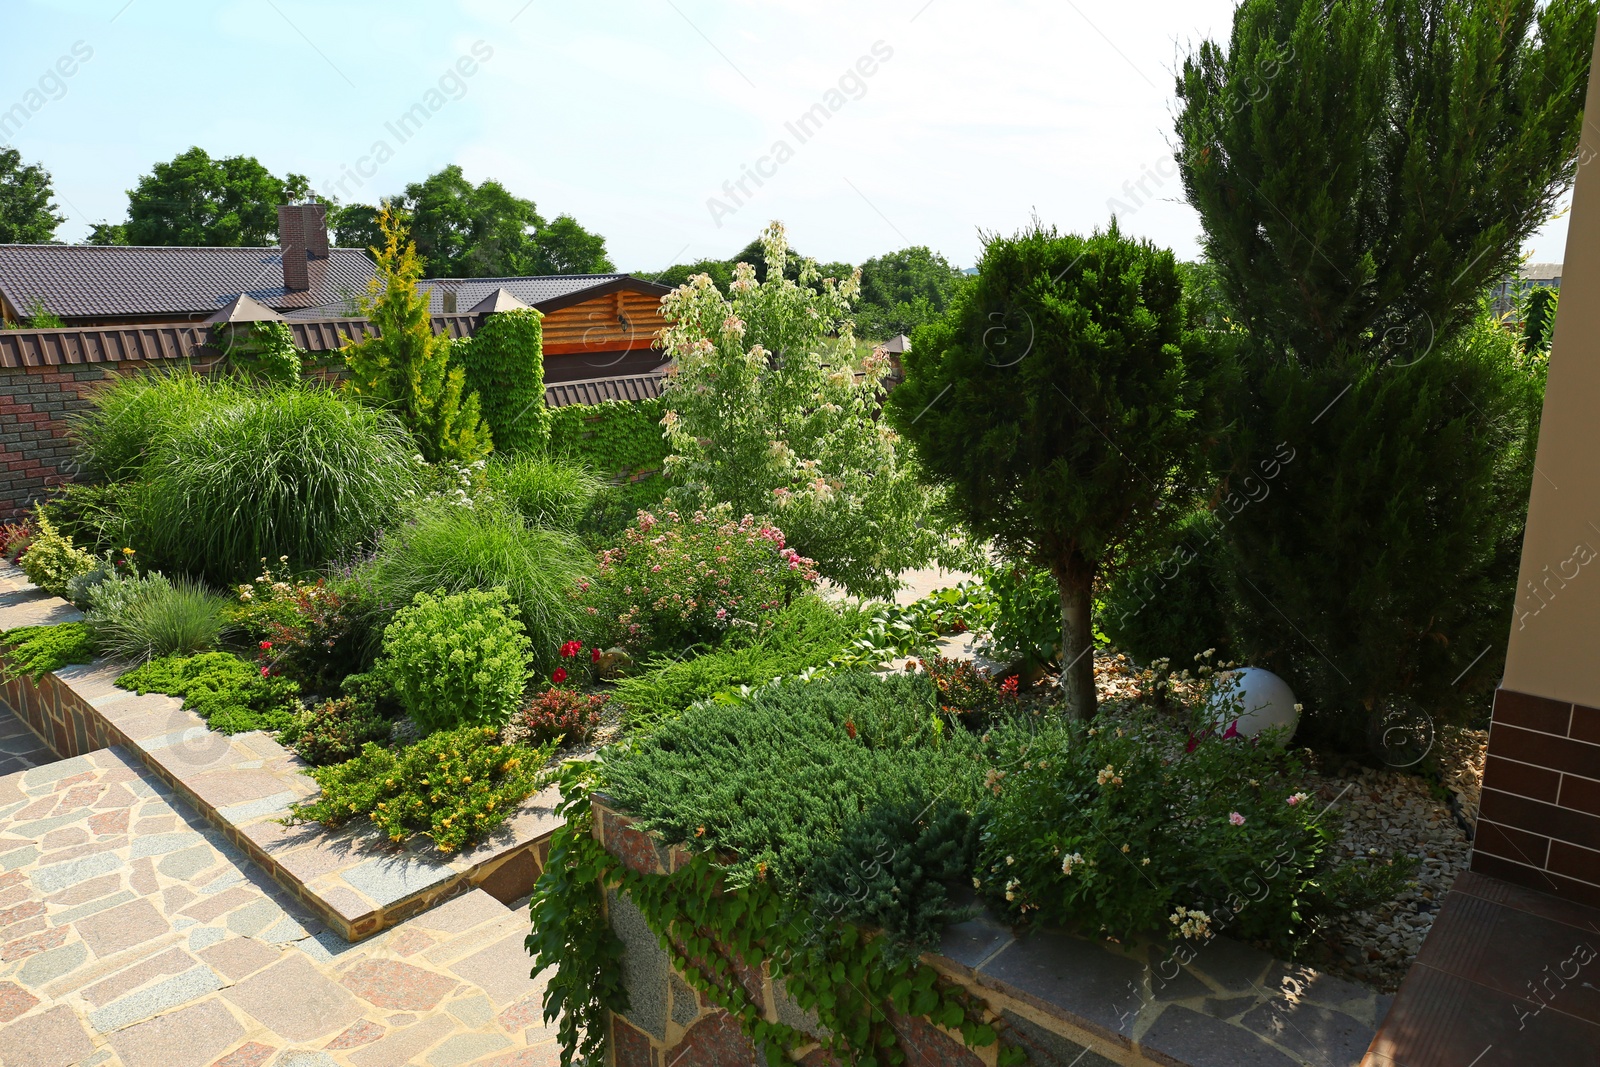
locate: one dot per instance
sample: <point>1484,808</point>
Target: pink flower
<point>1232,730</point>
<point>722,613</point>
<point>1296,800</point>
<point>265,671</point>
<point>1236,819</point>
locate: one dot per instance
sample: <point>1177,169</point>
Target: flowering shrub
<point>14,538</point>
<point>334,731</point>
<point>458,659</point>
<point>304,630</point>
<point>967,690</point>
<point>1122,830</point>
<point>454,787</point>
<point>677,580</point>
<point>556,714</point>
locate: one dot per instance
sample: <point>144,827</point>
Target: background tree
<point>196,200</point>
<point>721,270</point>
<point>1061,405</point>
<point>768,410</point>
<point>564,247</point>
<point>1441,133</point>
<point>27,209</point>
<point>903,290</point>
<point>406,366</point>
<point>355,226</point>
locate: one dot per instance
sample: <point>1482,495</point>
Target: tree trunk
<point>1075,580</point>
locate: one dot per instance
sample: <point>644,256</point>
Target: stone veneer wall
<point>1066,1001</point>
<point>1539,824</point>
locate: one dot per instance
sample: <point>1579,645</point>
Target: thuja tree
<point>1061,405</point>
<point>1363,171</point>
<point>405,366</point>
<point>770,410</point>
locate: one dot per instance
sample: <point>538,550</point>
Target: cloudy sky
<point>640,117</point>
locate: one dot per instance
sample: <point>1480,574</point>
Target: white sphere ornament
<point>1250,700</point>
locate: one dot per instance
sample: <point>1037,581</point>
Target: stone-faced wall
<point>1066,1001</point>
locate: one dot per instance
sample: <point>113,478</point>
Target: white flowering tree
<point>771,411</point>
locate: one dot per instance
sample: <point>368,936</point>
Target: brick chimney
<point>292,240</point>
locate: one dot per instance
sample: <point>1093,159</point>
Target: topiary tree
<point>770,411</point>
<point>405,366</point>
<point>504,363</point>
<point>1442,134</point>
<point>1060,405</point>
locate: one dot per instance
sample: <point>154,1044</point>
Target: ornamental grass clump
<point>1130,829</point>
<point>455,787</point>
<point>134,417</point>
<point>552,493</point>
<point>135,617</point>
<point>459,659</point>
<point>676,579</point>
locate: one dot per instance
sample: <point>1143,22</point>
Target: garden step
<point>354,879</point>
<point>134,932</point>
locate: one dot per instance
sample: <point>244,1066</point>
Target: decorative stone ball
<point>1264,702</point>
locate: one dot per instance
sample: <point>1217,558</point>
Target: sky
<point>945,119</point>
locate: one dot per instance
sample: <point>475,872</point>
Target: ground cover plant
<point>227,692</point>
<point>33,651</point>
<point>682,579</point>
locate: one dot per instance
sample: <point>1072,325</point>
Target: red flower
<point>559,676</point>
<point>266,645</point>
<point>570,649</point>
<point>594,655</point>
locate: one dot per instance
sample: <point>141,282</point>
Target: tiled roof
<point>87,281</point>
<point>594,390</point>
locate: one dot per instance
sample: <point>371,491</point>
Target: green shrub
<point>140,616</point>
<point>1026,626</point>
<point>264,350</point>
<point>459,659</point>
<point>1128,830</point>
<point>94,516</point>
<point>334,731</point>
<point>808,633</point>
<point>677,580</point>
<point>454,787</point>
<point>34,651</point>
<point>795,779</point>
<point>463,548</point>
<point>504,364</point>
<point>228,693</point>
<point>135,416</point>
<point>1175,606</point>
<point>547,492</point>
<point>287,470</point>
<point>52,561</point>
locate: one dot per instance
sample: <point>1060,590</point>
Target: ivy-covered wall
<point>621,440</point>
<point>504,363</point>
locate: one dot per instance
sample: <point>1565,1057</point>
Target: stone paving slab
<point>355,880</point>
<point>121,949</point>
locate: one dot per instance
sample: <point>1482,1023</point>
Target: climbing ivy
<point>504,362</point>
<point>848,978</point>
<point>621,440</point>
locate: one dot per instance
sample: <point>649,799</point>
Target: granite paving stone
<point>50,1038</point>
<point>190,1037</point>
<point>295,1000</point>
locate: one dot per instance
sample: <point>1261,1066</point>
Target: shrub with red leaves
<point>566,712</point>
<point>14,537</point>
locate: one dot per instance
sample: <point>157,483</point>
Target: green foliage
<point>200,201</point>
<point>553,493</point>
<point>39,317</point>
<point>334,731</point>
<point>1124,831</point>
<point>27,201</point>
<point>903,290</point>
<point>52,560</point>
<point>227,692</point>
<point>95,516</point>
<point>405,366</point>
<point>454,787</point>
<point>623,442</point>
<point>1538,308</point>
<point>457,549</point>
<point>504,364</point>
<point>264,350</point>
<point>135,617</point>
<point>679,580</point>
<point>808,634</point>
<point>1062,405</point>
<point>1027,614</point>
<point>134,416</point>
<point>283,470</point>
<point>1178,605</point>
<point>34,651</point>
<point>770,413</point>
<point>355,226</point>
<point>458,659</point>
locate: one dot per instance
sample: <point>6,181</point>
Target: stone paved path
<point>20,747</point>
<point>133,935</point>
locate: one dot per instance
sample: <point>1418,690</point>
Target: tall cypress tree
<point>1363,170</point>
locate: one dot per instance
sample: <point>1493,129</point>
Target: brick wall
<point>1540,821</point>
<point>34,451</point>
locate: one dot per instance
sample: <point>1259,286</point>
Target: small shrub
<point>334,731</point>
<point>969,691</point>
<point>457,659</point>
<point>227,692</point>
<point>454,787</point>
<point>51,560</point>
<point>679,580</point>
<point>290,470</point>
<point>140,616</point>
<point>1175,606</point>
<point>1027,615</point>
<point>557,715</point>
<point>458,549</point>
<point>14,537</point>
<point>303,629</point>
<point>552,493</point>
<point>34,651</point>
